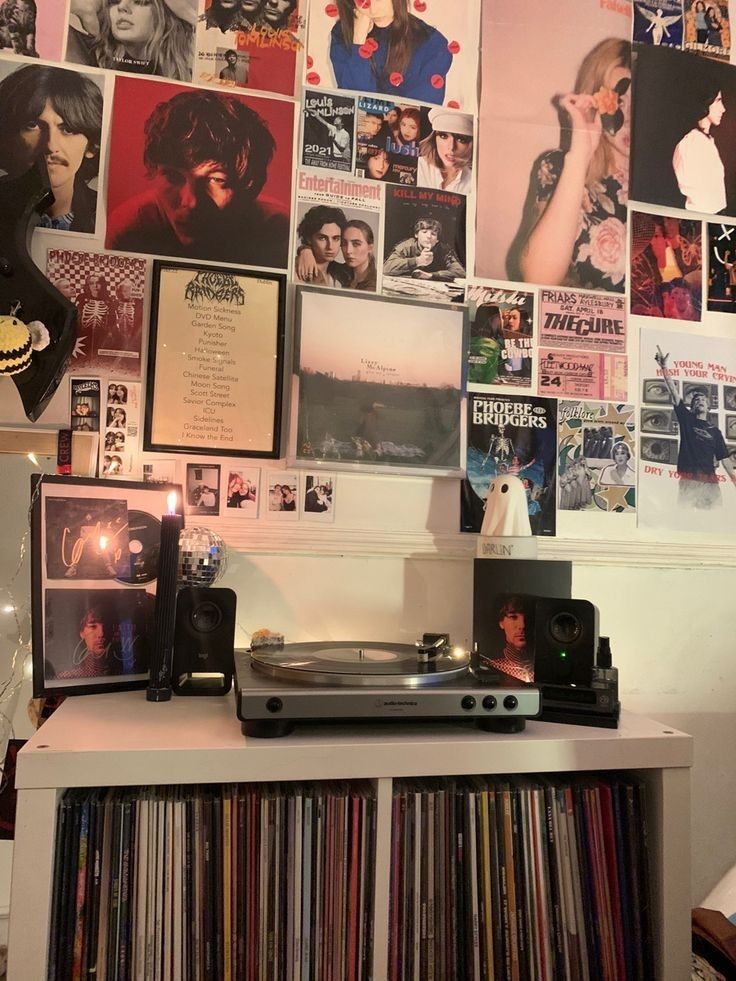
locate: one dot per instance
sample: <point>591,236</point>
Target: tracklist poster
<point>329,131</point>
<point>517,435</point>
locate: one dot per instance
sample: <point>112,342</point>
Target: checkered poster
<point>108,292</point>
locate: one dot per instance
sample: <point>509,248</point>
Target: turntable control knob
<point>468,702</point>
<point>489,702</point>
<point>274,705</point>
<point>510,702</point>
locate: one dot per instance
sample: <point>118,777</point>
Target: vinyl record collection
<point>517,878</point>
<point>253,882</point>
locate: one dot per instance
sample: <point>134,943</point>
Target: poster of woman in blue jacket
<point>409,49</point>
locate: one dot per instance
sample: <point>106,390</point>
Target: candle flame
<point>171,502</point>
<point>103,543</point>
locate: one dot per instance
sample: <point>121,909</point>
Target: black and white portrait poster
<point>39,103</point>
<point>425,51</point>
<point>516,435</point>
<point>108,292</point>
<point>250,44</point>
<point>199,173</point>
<point>424,244</point>
<point>687,465</point>
<point>666,267</point>
<point>501,336</point>
<point>552,73</point>
<point>707,28</point>
<point>722,268</point>
<point>684,132</point>
<point>658,22</point>
<point>596,449</point>
<point>152,38</point>
<point>328,131</point>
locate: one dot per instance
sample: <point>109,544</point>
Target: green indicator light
<point>563,654</point>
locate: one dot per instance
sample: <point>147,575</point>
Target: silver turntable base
<point>363,682</point>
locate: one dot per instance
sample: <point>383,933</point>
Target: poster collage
<point>348,146</point>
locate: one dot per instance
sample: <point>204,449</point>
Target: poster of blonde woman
<point>554,144</point>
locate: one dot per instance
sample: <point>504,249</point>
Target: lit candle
<point>159,682</point>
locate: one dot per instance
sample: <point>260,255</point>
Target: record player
<point>280,686</point>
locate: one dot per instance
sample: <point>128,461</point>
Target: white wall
<point>672,629</point>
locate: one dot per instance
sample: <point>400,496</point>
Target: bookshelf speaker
<point>204,640</point>
<point>565,639</point>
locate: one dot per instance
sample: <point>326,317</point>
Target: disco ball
<point>202,557</point>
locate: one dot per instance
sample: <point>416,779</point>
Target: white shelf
<point>121,739</point>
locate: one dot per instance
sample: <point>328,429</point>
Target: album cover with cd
<point>144,533</point>
<point>86,538</point>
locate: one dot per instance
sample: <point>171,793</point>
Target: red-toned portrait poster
<point>199,174</point>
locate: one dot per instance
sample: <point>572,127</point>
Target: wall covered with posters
<point>566,238</point>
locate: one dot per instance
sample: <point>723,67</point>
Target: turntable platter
<point>360,663</point>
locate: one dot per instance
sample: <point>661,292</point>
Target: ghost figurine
<point>507,512</point>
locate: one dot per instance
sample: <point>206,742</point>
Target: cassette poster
<point>510,434</point>
<point>596,444</point>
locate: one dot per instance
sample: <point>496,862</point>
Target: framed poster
<point>215,359</point>
<point>94,547</point>
<point>378,383</point>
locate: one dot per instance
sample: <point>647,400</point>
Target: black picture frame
<point>207,379</point>
<point>80,585</point>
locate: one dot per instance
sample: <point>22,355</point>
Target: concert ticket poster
<point>583,374</point>
<point>516,435</point>
<point>576,320</point>
<point>596,450</point>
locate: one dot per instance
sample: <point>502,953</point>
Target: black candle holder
<point>162,657</point>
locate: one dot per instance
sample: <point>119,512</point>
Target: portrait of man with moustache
<point>54,115</point>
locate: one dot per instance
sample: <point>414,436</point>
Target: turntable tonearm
<point>277,687</point>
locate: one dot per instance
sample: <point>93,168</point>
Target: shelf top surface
<point>122,739</point>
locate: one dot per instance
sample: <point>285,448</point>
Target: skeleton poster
<point>514,435</point>
<point>108,292</point>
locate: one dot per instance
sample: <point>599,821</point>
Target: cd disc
<point>144,534</point>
